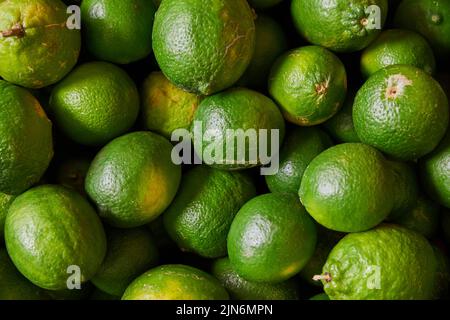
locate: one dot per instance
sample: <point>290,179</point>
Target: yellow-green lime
<point>132,180</point>
<point>36,45</point>
<point>386,263</point>
<point>166,107</point>
<point>175,282</point>
<point>65,233</point>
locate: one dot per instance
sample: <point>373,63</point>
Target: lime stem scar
<point>16,31</point>
<point>326,276</point>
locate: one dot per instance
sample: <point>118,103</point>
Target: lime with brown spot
<point>36,45</point>
<point>309,84</point>
<point>402,111</point>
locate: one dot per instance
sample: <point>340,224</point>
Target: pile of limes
<point>117,179</point>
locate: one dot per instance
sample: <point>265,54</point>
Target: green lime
<point>14,286</point>
<point>95,103</point>
<point>5,202</point>
<point>263,4</point>
<point>423,217</point>
<point>66,234</point>
<point>309,84</point>
<point>204,47</point>
<point>241,289</point>
<point>118,31</point>
<point>166,107</point>
<point>340,126</point>
<point>326,240</point>
<point>386,263</point>
<point>238,118</point>
<point>200,216</point>
<point>26,144</point>
<point>435,172</point>
<point>320,296</point>
<point>271,238</point>
<point>300,147</point>
<point>130,253</point>
<point>397,46</point>
<point>36,45</point>
<point>72,173</point>
<point>402,111</point>
<point>175,282</point>
<point>341,25</point>
<point>406,186</point>
<point>270,43</point>
<point>133,179</point>
<point>348,188</point>
<point>430,19</point>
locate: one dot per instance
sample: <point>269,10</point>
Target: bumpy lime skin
<point>130,253</point>
<point>342,25</point>
<point>241,289</point>
<point>64,230</point>
<point>402,111</point>
<point>435,172</point>
<point>175,282</point>
<point>14,285</point>
<point>309,84</point>
<point>95,103</point>
<point>386,263</point>
<point>26,143</point>
<point>133,180</point>
<point>200,216</point>
<point>204,47</point>
<point>300,147</point>
<point>236,109</point>
<point>397,46</point>
<point>46,52</point>
<point>348,188</point>
<point>431,21</point>
<point>341,126</point>
<point>118,31</point>
<point>271,238</point>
